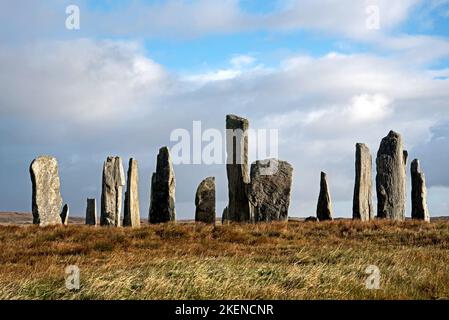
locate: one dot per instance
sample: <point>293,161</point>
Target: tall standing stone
<point>269,192</point>
<point>362,208</point>
<point>419,193</point>
<point>65,215</point>
<point>239,208</point>
<point>46,194</point>
<point>162,206</point>
<point>205,201</point>
<point>391,178</point>
<point>112,192</point>
<point>91,212</point>
<point>131,216</point>
<point>324,209</point>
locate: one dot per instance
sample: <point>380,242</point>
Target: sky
<point>325,74</point>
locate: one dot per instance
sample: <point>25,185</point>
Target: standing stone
<point>112,191</point>
<point>131,215</point>
<point>205,201</point>
<point>65,215</point>
<point>269,192</point>
<point>391,178</point>
<point>162,206</point>
<point>237,169</point>
<point>91,212</point>
<point>324,209</point>
<point>362,208</point>
<point>419,193</point>
<point>224,216</point>
<point>46,194</point>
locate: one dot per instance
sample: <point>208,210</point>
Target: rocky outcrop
<point>131,215</point>
<point>65,215</point>
<point>205,201</point>
<point>270,189</point>
<point>324,208</point>
<point>91,212</point>
<point>362,208</point>
<point>162,206</point>
<point>420,210</point>
<point>46,194</point>
<point>112,192</point>
<point>237,168</point>
<point>391,178</point>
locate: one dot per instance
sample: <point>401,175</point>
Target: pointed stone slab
<point>112,192</point>
<point>205,201</point>
<point>46,194</point>
<point>65,215</point>
<point>362,208</point>
<point>324,208</point>
<point>131,215</point>
<point>391,178</point>
<point>237,169</point>
<point>91,212</point>
<point>162,206</point>
<point>420,210</point>
<point>270,189</point>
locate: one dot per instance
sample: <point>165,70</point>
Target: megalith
<point>205,201</point>
<point>362,208</point>
<point>131,216</point>
<point>162,198</point>
<point>112,192</point>
<point>324,208</point>
<point>91,212</point>
<point>65,215</point>
<point>46,194</point>
<point>420,210</point>
<point>270,189</point>
<point>391,178</point>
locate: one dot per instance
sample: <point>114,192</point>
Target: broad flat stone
<point>391,178</point>
<point>112,192</point>
<point>324,208</point>
<point>237,169</point>
<point>91,212</point>
<point>270,189</point>
<point>162,206</point>
<point>420,210</point>
<point>65,215</point>
<point>131,215</point>
<point>362,208</point>
<point>46,194</point>
<point>205,201</point>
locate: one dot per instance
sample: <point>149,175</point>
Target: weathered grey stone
<point>162,206</point>
<point>324,209</point>
<point>237,168</point>
<point>65,215</point>
<point>131,216</point>
<point>112,192</point>
<point>46,194</point>
<point>362,208</point>
<point>391,178</point>
<point>270,188</point>
<point>91,212</point>
<point>420,210</point>
<point>205,201</point>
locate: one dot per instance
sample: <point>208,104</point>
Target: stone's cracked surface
<point>112,192</point>
<point>362,208</point>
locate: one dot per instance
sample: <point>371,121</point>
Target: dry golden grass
<point>266,261</point>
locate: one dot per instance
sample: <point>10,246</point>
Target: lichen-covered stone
<point>420,210</point>
<point>91,212</point>
<point>131,216</point>
<point>112,192</point>
<point>362,208</point>
<point>324,208</point>
<point>205,201</point>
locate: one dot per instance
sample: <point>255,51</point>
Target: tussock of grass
<point>264,261</point>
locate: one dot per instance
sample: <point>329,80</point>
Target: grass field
<point>297,260</point>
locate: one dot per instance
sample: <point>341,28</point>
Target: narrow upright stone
<point>91,212</point>
<point>65,215</point>
<point>162,206</point>
<point>112,192</point>
<point>131,215</point>
<point>46,194</point>
<point>205,201</point>
<point>362,208</point>
<point>324,209</point>
<point>237,169</point>
<point>391,178</point>
<point>419,193</point>
<point>270,188</point>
